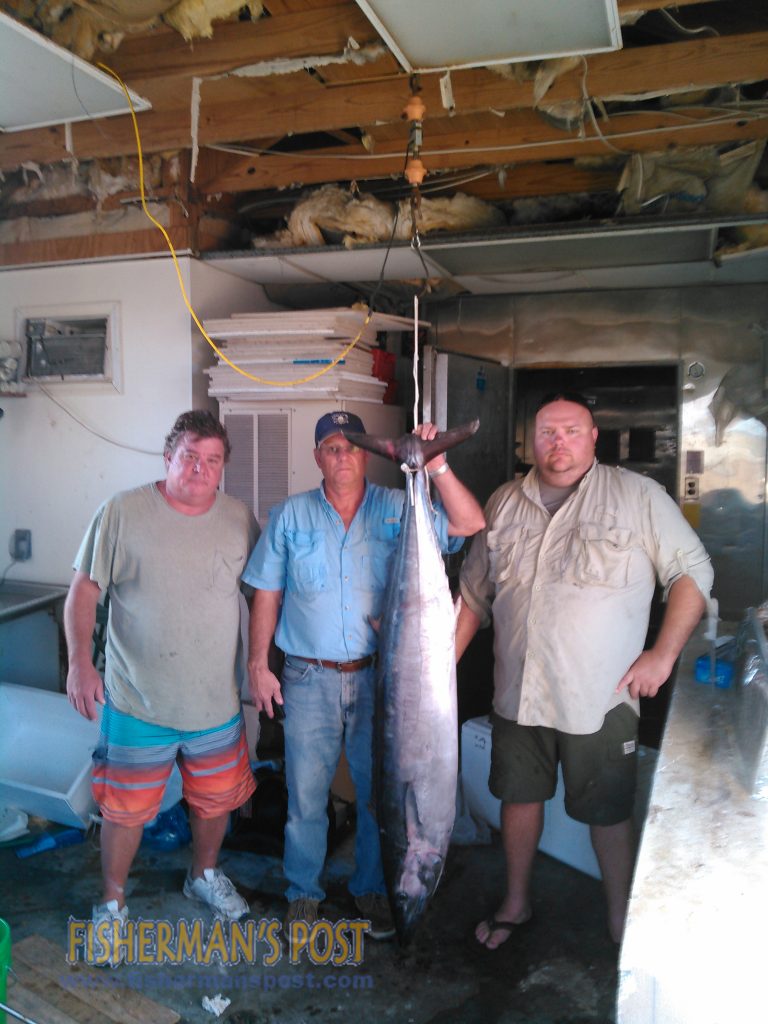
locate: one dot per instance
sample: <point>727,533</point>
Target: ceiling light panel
<point>438,35</point>
<point>43,84</point>
<point>573,252</point>
<point>337,264</point>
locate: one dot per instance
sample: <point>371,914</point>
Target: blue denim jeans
<point>323,710</point>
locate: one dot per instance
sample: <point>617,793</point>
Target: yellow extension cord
<point>214,346</point>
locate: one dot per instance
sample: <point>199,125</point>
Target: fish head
<point>418,879</point>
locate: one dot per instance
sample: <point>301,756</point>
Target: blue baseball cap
<point>334,423</point>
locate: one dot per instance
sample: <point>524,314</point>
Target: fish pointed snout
<point>407,913</point>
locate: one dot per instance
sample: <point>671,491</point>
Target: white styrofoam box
<point>45,757</point>
<point>562,837</point>
<point>475,769</point>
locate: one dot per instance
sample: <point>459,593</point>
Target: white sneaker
<point>215,889</point>
<point>108,925</point>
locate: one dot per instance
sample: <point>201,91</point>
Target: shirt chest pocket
<point>375,565</point>
<point>307,571</point>
<point>227,567</point>
<point>599,555</point>
<point>509,556</point>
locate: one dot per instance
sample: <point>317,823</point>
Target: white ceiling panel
<point>574,251</point>
<point>43,84</point>
<point>653,256</point>
<point>326,265</point>
<point>438,35</point>
<point>658,275</point>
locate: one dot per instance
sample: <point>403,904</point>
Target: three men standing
<point>566,566</point>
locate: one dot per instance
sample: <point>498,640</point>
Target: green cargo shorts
<point>599,770</point>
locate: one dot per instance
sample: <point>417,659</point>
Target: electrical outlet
<point>21,545</point>
<point>691,488</point>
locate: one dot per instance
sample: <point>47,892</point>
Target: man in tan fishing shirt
<point>566,567</point>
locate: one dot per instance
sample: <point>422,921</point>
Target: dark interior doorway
<point>637,416</point>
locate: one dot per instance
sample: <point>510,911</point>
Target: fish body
<point>416,722</point>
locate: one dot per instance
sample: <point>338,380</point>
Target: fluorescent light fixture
<point>573,251</point>
<point>441,35</point>
<point>43,84</point>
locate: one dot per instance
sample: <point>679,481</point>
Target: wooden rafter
<point>276,106</point>
<point>519,137</point>
<point>628,6</point>
<point>163,53</point>
<point>495,144</point>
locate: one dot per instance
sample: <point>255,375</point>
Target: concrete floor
<point>559,969</point>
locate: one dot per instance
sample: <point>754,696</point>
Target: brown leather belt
<point>340,666</point>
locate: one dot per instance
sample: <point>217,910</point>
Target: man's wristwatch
<point>432,473</point>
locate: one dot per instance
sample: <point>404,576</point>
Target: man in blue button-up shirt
<point>320,571</point>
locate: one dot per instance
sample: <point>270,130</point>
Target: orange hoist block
<point>414,111</point>
<point>415,171</point>
<point>415,108</point>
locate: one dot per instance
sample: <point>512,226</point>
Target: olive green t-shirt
<point>173,636</point>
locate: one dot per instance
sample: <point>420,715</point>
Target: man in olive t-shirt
<point>170,555</point>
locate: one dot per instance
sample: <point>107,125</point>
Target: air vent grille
<point>66,349</point>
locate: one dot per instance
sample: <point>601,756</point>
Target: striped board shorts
<point>134,759</point>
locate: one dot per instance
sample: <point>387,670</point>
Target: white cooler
<point>562,837</point>
<point>45,757</point>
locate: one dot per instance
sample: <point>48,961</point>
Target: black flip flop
<point>494,925</point>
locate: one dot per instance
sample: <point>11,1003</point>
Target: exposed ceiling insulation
<point>274,101</point>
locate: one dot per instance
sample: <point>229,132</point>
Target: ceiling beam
<point>530,181</point>
<point>91,247</point>
<point>277,7</point>
<point>492,183</point>
<point>164,53</point>
<point>631,6</point>
<point>520,137</point>
<point>275,106</point>
<point>660,69</point>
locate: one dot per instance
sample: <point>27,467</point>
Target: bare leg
<point>614,846</point>
<point>521,826</point>
<point>118,848</point>
<point>207,837</point>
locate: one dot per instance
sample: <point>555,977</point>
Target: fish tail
<point>409,448</point>
<point>388,447</point>
<point>449,439</point>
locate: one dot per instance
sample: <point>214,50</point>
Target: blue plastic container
<point>723,672</point>
<point>168,831</point>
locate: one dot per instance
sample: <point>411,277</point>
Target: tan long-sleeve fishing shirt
<point>570,594</point>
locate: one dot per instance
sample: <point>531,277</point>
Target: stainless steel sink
<point>19,598</point>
